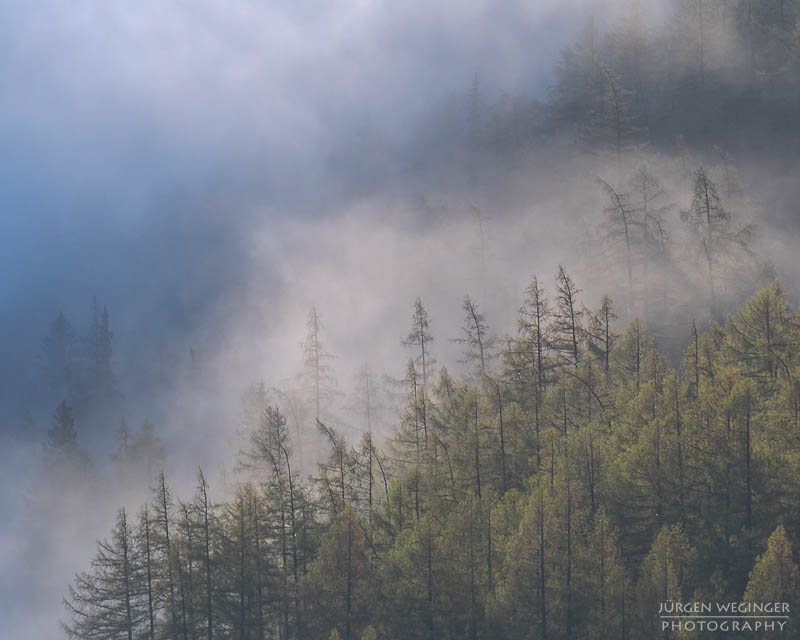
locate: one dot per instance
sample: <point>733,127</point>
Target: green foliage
<point>774,577</point>
<point>369,633</point>
<point>563,493</point>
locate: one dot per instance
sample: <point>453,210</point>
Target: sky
<point>134,136</point>
<point>211,169</point>
<point>197,166</point>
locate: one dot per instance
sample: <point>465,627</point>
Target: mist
<point>211,173</point>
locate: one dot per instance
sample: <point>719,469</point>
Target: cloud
<point>198,166</point>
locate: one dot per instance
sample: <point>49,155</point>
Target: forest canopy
<point>566,485</point>
<point>621,433</point>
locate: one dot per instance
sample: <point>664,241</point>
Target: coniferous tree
<point>581,535</point>
<point>579,84</point>
<point>342,579</point>
<point>775,577</point>
<point>759,335</point>
<point>718,243</point>
<point>476,337</point>
<point>107,603</point>
<point>163,557</point>
<point>666,574</point>
<point>57,356</point>
<point>419,337</point>
<point>98,377</point>
<point>650,206</point>
<point>567,329</point>
<point>621,229</point>
<point>317,371</point>
<point>612,123</point>
<point>205,524</point>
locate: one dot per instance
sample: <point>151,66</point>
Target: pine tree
<point>368,405</point>
<point>612,124</point>
<point>205,524</point>
<point>413,580</point>
<point>107,603</point>
<point>759,335</point>
<point>57,356</point>
<point>621,229</point>
<point>718,242</point>
<point>163,557</point>
<point>527,599</point>
<point>478,342</point>
<point>270,456</point>
<point>775,578</point>
<point>579,83</point>
<point>145,548</point>
<point>666,574</point>
<point>342,579</point>
<point>317,370</point>
<point>567,329</point>
<point>601,333</point>
<point>336,473</point>
<point>648,199</point>
<point>419,337</point>
<point>65,464</point>
<point>603,587</point>
<point>527,365</point>
<point>630,50</point>
<point>62,435</point>
<point>98,372</point>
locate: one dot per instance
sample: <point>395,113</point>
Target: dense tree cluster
<point>700,259</point>
<point>563,487</point>
<point>711,72</point>
<point>571,476</point>
<point>79,368</point>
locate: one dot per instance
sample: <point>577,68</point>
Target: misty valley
<point>402,356</point>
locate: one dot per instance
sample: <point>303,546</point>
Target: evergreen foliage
<point>566,492</point>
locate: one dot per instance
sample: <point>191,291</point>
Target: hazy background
<point>211,170</point>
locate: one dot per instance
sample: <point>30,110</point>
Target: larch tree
<point>578,88</point>
<point>567,328</point>
<point>621,229</point>
<point>760,334</point>
<point>336,472</point>
<point>475,336</point>
<point>601,334</point>
<point>162,553</point>
<point>666,574</point>
<point>205,523</point>
<point>270,457</point>
<point>649,203</point>
<point>775,577</point>
<point>722,248</point>
<point>368,406</point>
<point>66,465</point>
<point>96,352</point>
<point>419,338</point>
<point>57,356</point>
<point>107,603</point>
<point>612,123</point>
<point>342,579</point>
<point>145,545</point>
<point>527,363</point>
<point>317,370</point>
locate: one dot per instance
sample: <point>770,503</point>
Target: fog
<point>210,172</point>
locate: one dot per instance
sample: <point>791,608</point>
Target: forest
<point>562,479</point>
<point>564,488</point>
